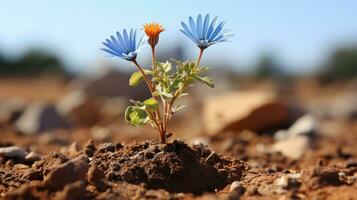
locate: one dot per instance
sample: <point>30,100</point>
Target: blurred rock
<point>40,117</point>
<point>108,82</point>
<point>257,111</point>
<point>305,125</point>
<point>292,147</point>
<point>10,110</point>
<point>13,152</point>
<point>33,156</point>
<point>287,182</point>
<point>113,107</point>
<point>101,134</point>
<point>71,151</point>
<point>79,108</point>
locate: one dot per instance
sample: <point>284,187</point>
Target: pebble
<point>13,152</point>
<point>33,156</point>
<point>236,186</point>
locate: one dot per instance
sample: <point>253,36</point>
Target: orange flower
<point>153,31</point>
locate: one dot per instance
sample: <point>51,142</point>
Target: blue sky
<point>300,32</point>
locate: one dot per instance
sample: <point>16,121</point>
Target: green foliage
<point>31,63</point>
<point>137,77</point>
<point>170,80</point>
<point>342,64</point>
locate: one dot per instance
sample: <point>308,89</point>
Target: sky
<point>301,33</point>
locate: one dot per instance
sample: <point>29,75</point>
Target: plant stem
<point>146,78</point>
<point>162,128</point>
<point>199,58</point>
<point>169,107</point>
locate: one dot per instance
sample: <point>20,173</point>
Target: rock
<point>13,152</point>
<point>286,182</point>
<point>89,148</point>
<point>40,118</point>
<point>292,147</point>
<point>10,110</point>
<point>236,186</point>
<point>257,111</point>
<point>33,156</point>
<point>305,125</point>
<point>114,106</point>
<point>68,172</point>
<point>79,108</point>
<point>71,151</point>
<point>101,134</point>
<point>351,163</point>
<point>108,82</point>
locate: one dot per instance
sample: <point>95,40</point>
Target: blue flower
<point>124,45</point>
<point>204,33</point>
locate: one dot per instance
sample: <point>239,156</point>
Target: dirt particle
<point>72,170</point>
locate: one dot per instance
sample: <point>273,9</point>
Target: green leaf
<point>206,81</point>
<point>151,104</point>
<point>137,77</point>
<point>136,116</point>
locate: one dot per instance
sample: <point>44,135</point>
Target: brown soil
<point>235,165</point>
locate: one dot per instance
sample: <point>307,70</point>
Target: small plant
<point>167,81</point>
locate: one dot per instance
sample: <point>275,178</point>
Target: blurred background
<point>54,76</point>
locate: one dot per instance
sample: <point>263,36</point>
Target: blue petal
<point>189,36</point>
<point>187,32</point>
<point>134,40</point>
<point>110,45</point>
<point>127,41</point>
<point>199,27</point>
<point>122,42</point>
<point>193,28</point>
<point>116,43</point>
<point>205,26</point>
<point>211,27</point>
<point>110,52</point>
<point>216,31</point>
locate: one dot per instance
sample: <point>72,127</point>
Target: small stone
<point>236,186</point>
<point>101,134</point>
<point>13,152</point>
<point>33,156</point>
<point>351,163</point>
<point>287,182</point>
<point>89,148</point>
<point>293,147</point>
<point>305,125</point>
<point>71,151</point>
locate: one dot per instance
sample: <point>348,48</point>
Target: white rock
<point>305,125</point>
<point>235,186</point>
<point>292,147</point>
<point>33,156</point>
